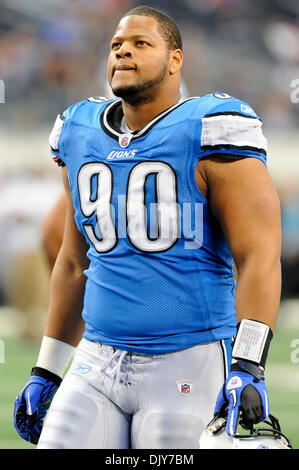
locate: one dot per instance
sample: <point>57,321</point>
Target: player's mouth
<point>123,68</point>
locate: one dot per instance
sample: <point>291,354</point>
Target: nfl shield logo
<point>124,141</point>
<point>184,387</point>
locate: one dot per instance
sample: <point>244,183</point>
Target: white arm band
<point>252,341</point>
<point>54,355</point>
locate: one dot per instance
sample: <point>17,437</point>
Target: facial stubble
<point>141,93</point>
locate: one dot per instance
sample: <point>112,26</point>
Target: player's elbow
<point>264,258</point>
<point>50,241</point>
<point>70,267</point>
<point>261,243</point>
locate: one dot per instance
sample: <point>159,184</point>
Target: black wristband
<point>46,374</point>
<point>244,366</point>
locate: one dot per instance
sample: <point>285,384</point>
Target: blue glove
<point>245,392</point>
<point>33,402</point>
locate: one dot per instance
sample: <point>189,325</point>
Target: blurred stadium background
<point>53,53</point>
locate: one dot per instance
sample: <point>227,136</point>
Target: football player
<point>162,193</point>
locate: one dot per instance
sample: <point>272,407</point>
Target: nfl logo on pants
<point>184,387</point>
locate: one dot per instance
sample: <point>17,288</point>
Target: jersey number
<point>103,235</point>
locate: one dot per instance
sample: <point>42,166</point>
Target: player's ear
<point>176,61</point>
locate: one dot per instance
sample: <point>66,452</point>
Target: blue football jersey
<point>160,277</point>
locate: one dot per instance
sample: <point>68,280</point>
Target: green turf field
<point>282,378</point>
<point>20,356</point>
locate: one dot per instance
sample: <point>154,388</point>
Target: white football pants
<point>112,399</point>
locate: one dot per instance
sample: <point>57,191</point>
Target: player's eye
<point>115,45</point>
<point>141,43</point>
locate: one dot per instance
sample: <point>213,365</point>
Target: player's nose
<point>124,50</point>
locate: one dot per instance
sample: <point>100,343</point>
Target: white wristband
<point>54,355</point>
<point>250,341</point>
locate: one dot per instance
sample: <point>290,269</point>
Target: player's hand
<point>245,392</point>
<point>33,402</point>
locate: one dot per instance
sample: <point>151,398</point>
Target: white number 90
<point>104,236</point>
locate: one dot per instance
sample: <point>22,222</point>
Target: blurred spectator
<point>55,53</point>
<point>25,197</point>
<point>289,197</point>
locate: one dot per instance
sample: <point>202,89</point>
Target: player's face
<point>139,59</point>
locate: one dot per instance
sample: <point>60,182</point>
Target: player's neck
<point>137,117</point>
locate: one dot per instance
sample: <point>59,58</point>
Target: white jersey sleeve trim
<point>56,132</point>
<point>232,130</point>
<point>97,99</point>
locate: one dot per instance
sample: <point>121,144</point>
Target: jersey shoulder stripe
<point>232,131</point>
<point>231,128</point>
<point>97,99</point>
<point>72,113</point>
<point>56,132</point>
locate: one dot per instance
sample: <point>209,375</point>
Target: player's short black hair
<point>168,28</point>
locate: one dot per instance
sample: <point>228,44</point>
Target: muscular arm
<point>64,321</point>
<point>246,204</point>
<point>52,230</point>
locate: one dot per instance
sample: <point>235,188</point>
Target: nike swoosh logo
<point>234,394</point>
